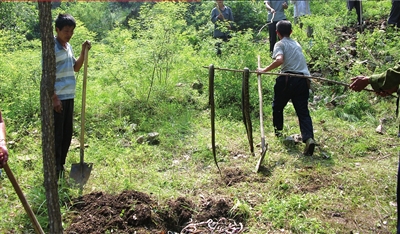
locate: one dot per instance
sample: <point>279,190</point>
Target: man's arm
<point>267,4</point>
<point>384,83</point>
<point>386,80</point>
<point>214,15</point>
<point>276,63</point>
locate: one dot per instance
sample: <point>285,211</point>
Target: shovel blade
<point>80,172</point>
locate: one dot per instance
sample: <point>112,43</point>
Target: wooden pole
<point>263,145</point>
<point>32,217</point>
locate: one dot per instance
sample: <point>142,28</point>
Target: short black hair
<point>65,20</point>
<point>284,27</point>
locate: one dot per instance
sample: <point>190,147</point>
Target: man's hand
<point>86,44</point>
<point>260,69</point>
<point>359,83</point>
<point>57,105</point>
<point>3,155</point>
<point>285,5</point>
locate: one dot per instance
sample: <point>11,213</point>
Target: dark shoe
<point>278,133</point>
<point>310,146</point>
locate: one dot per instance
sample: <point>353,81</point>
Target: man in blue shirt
<point>64,87</point>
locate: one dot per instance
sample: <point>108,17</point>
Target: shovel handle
<point>32,217</point>
<point>82,137</point>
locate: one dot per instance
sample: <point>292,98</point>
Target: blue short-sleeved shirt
<point>65,83</point>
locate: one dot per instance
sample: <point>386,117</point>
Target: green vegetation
<point>140,76</point>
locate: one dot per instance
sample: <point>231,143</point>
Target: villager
<point>64,87</point>
<point>289,56</point>
<point>222,17</point>
<point>276,12</point>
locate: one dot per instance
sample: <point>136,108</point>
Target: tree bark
<point>46,107</point>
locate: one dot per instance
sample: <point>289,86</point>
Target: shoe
<point>278,134</point>
<point>310,146</point>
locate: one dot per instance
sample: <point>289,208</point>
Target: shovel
<point>32,217</point>
<point>80,172</point>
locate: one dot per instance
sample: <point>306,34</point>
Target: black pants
<point>63,127</point>
<point>356,4</point>
<point>297,89</point>
<point>218,44</point>
<point>394,17</point>
<point>272,35</point>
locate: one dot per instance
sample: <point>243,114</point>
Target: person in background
<point>64,87</point>
<point>300,8</point>
<point>384,84</point>
<point>394,17</point>
<point>288,55</point>
<point>3,145</point>
<point>357,4</point>
<point>276,12</point>
<point>222,18</point>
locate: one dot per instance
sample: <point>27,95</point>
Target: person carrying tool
<point>222,18</point>
<point>276,12</point>
<point>3,145</point>
<point>384,84</point>
<point>64,87</point>
<point>289,56</point>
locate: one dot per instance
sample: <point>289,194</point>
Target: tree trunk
<point>46,92</point>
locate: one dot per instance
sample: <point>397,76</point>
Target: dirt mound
<point>136,212</point>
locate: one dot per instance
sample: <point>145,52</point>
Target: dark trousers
<point>218,44</point>
<point>63,127</point>
<point>297,89</point>
<point>272,35</point>
<point>356,4</point>
<point>394,17</point>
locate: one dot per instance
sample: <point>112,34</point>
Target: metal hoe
<point>80,172</point>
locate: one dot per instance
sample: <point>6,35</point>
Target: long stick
<point>219,10</point>
<point>32,217</point>
<point>82,145</point>
<point>263,146</point>
<point>294,75</point>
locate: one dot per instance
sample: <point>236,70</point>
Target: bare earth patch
<point>136,212</point>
